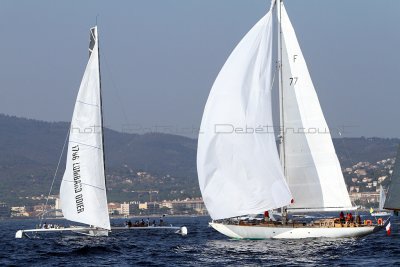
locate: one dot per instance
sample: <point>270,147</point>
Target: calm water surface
<point>202,247</point>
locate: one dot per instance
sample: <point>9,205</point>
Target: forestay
<point>313,171</point>
<point>237,159</point>
<point>83,191</point>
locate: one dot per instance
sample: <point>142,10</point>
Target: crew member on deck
<point>266,216</point>
<point>358,219</point>
<point>341,217</point>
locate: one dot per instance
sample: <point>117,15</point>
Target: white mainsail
<point>312,170</point>
<point>237,161</point>
<point>83,190</point>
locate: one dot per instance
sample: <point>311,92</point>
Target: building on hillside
<point>188,206</point>
<point>125,210</point>
<point>153,208</point>
<point>367,199</point>
<point>143,206</point>
<point>19,212</point>
<point>166,204</point>
<point>57,207</point>
<point>361,172</point>
<point>114,208</point>
<point>39,210</point>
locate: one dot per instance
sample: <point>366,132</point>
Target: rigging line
<point>55,174</point>
<point>116,89</point>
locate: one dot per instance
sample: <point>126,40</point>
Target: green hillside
<point>158,162</point>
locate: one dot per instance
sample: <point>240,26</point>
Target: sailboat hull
<point>381,214</point>
<point>89,231</point>
<point>287,232</point>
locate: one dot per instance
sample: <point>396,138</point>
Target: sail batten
<point>97,187</point>
<point>83,192</point>
<point>238,166</point>
<point>97,147</point>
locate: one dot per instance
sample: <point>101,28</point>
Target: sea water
<point>203,246</point>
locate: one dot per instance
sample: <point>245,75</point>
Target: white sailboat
<point>240,172</point>
<point>83,187</point>
<point>381,210</point>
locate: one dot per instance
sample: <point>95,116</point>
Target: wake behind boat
<point>83,187</point>
<point>239,169</point>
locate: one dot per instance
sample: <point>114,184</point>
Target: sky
<point>159,59</point>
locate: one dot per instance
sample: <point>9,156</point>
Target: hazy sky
<point>160,58</point>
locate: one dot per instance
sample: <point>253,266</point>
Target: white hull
<point>287,232</point>
<point>80,230</point>
<point>98,232</point>
<point>381,214</point>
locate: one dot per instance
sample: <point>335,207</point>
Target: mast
<point>94,38</point>
<point>101,110</point>
<point>280,85</point>
<point>281,118</point>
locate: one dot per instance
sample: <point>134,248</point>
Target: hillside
<point>161,162</point>
<point>30,150</point>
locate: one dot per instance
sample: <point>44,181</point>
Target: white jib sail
<point>83,192</point>
<point>382,197</point>
<point>313,171</point>
<point>237,160</point>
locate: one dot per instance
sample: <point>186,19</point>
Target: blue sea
<point>201,247</point>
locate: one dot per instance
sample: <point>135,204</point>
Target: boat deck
<point>321,223</point>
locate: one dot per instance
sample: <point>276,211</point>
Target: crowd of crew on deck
<point>144,223</point>
<point>49,226</point>
<point>349,218</point>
